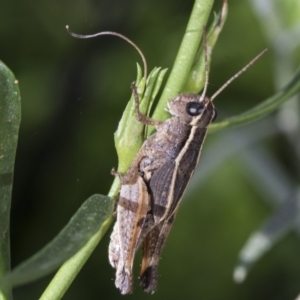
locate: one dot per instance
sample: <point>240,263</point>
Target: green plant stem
<point>67,273</point>
<point>185,56</point>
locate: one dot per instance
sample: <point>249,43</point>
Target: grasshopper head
<point>193,109</point>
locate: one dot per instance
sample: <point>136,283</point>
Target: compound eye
<point>194,108</point>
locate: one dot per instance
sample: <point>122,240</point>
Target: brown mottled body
<point>131,213</point>
<point>153,186</point>
<point>156,180</point>
<point>177,146</point>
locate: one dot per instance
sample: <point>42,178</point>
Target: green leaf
<point>154,83</point>
<point>10,118</point>
<point>262,240</point>
<point>88,219</point>
<point>262,109</point>
<point>131,133</point>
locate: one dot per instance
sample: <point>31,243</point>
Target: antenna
<point>237,74</point>
<point>205,63</point>
<point>80,36</point>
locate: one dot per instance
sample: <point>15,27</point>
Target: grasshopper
<point>156,181</point>
<point>153,186</point>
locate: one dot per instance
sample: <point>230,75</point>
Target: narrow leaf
<point>10,117</point>
<point>262,109</point>
<point>130,134</point>
<point>264,239</point>
<point>82,226</point>
<point>67,273</point>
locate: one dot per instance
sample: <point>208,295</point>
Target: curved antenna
<point>80,36</point>
<point>237,75</point>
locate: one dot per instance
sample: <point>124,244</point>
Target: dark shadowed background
<point>73,94</point>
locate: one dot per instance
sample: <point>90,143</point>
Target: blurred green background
<point>73,94</point>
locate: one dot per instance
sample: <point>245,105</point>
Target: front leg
<point>116,174</point>
<point>139,116</point>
